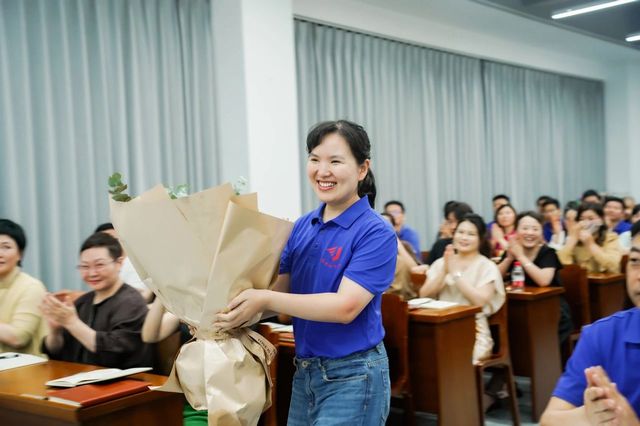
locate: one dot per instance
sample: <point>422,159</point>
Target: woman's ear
<point>364,169</point>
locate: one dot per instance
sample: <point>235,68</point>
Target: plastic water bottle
<point>517,277</point>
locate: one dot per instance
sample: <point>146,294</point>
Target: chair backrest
<point>623,263</point>
<point>424,255</point>
<point>395,318</point>
<point>165,354</point>
<point>576,291</point>
<point>500,332</point>
<point>417,279</point>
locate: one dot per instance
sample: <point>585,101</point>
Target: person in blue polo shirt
<point>396,209</point>
<point>608,352</point>
<point>338,261</point>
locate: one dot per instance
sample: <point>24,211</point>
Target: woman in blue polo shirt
<point>338,261</point>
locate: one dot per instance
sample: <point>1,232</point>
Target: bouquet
<point>197,253</point>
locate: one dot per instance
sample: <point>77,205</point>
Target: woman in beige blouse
<point>589,244</point>
<point>21,325</point>
<point>466,275</point>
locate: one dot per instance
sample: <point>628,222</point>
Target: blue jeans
<point>353,390</point>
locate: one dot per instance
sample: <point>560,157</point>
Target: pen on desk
<point>9,356</point>
<point>29,395</point>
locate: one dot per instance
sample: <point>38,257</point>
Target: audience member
<point>608,352</point>
<point>128,273</point>
<point>635,214</point>
<point>635,234</point>
<point>540,263</point>
<point>503,230</point>
<point>589,244</point>
<point>402,285</point>
<point>396,209</point>
<point>456,212</point>
<point>497,202</point>
<point>629,203</point>
<point>103,326</point>
<point>591,196</point>
<point>614,218</point>
<point>553,228</point>
<point>21,324</point>
<point>446,229</point>
<point>570,214</point>
<point>465,275</point>
<point>540,202</point>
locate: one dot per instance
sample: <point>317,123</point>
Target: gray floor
<point>493,418</point>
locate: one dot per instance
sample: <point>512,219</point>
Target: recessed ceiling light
<point>587,8</point>
<point>633,37</point>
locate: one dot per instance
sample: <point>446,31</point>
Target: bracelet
<point>527,264</point>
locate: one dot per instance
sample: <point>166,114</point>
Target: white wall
<point>257,101</point>
<point>472,29</point>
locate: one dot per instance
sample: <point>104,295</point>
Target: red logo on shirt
<point>335,253</point>
<point>331,257</point>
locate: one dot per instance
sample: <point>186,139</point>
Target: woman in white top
<point>467,276</point>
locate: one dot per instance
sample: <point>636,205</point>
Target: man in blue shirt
<point>585,395</point>
<point>614,215</point>
<point>396,209</point>
<point>552,219</point>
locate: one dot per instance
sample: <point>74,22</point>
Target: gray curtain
<point>445,126</point>
<point>88,88</point>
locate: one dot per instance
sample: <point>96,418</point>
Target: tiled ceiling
<point>612,24</point>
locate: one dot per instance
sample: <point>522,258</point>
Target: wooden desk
<point>150,407</point>
<point>440,363</point>
<point>607,294</point>
<point>533,340</point>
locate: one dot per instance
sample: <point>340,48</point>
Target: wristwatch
<point>457,275</point>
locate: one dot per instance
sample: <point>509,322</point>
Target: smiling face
<point>590,220</point>
<point>466,239</point>
<point>614,211</point>
<point>334,172</point>
<point>506,217</point>
<point>633,276</point>
<point>98,269</point>
<point>9,255</point>
<point>529,232</point>
<point>398,215</point>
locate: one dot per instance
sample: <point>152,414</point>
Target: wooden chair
<point>623,264</point>
<point>417,279</point>
<point>576,290</point>
<point>500,359</point>
<point>165,353</point>
<point>270,417</point>
<point>395,318</point>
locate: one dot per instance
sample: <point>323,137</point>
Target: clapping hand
<point>604,404</point>
<point>515,249</point>
<point>57,312</point>
<point>449,258</point>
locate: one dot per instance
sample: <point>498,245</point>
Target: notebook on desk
<point>428,303</point>
<point>87,395</point>
<point>9,360</point>
<point>94,376</point>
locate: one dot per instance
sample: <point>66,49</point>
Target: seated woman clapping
<point>466,275</point>
<point>503,229</point>
<point>21,325</point>
<point>539,262</point>
<point>103,326</point>
<point>589,244</point>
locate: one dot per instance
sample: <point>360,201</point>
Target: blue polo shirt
<point>409,235</point>
<point>360,245</point>
<point>622,226</point>
<point>614,343</point>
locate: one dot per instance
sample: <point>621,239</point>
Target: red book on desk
<point>87,395</point>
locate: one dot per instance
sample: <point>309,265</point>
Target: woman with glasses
<point>21,325</point>
<point>103,326</point>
